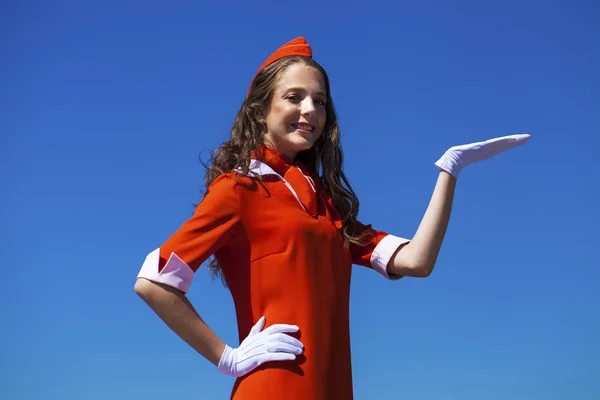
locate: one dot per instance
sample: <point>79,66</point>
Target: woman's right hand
<point>272,344</point>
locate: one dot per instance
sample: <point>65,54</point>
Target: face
<point>298,111</point>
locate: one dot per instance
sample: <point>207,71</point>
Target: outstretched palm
<point>458,157</point>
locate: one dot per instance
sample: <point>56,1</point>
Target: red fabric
<point>297,175</point>
<point>304,189</point>
<point>284,264</point>
<point>296,47</point>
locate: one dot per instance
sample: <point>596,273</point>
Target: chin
<point>301,143</point>
<point>301,146</point>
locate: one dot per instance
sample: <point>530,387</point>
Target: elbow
<point>421,269</point>
<point>411,262</point>
<point>415,270</point>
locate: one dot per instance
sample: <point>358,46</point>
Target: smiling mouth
<point>304,127</point>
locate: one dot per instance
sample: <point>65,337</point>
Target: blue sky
<point>105,108</point>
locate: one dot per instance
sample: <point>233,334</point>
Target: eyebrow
<point>299,89</point>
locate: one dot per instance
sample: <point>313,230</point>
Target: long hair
<point>324,157</point>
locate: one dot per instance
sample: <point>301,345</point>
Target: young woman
<point>279,217</point>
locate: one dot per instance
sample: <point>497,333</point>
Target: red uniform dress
<point>282,256</point>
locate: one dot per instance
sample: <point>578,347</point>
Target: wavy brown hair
<point>324,157</point>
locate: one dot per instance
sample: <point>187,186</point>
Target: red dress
<point>282,256</point>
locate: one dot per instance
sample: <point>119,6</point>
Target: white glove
<point>458,157</point>
<point>272,344</point>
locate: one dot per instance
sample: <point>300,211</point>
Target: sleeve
<point>378,251</point>
<point>210,228</point>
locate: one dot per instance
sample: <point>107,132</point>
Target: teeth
<point>305,127</point>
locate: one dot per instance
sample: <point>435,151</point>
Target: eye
<point>294,98</point>
<point>321,102</point>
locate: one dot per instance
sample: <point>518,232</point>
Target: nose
<point>308,106</point>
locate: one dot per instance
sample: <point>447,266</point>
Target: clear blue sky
<point>106,106</point>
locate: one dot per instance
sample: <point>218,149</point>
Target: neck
<point>289,156</point>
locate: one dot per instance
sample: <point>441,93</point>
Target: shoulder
<point>232,183</point>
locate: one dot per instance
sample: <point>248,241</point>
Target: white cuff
<point>383,253</point>
<point>226,361</point>
<point>176,272</point>
<point>449,163</point>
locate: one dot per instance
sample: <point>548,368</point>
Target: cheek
<point>281,114</point>
<point>322,117</point>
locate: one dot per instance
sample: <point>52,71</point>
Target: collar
<point>276,160</point>
<point>268,161</point>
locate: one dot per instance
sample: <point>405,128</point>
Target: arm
<point>173,307</point>
<point>417,258</point>
<point>167,273</point>
<point>259,347</point>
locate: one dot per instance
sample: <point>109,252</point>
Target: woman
<point>280,218</point>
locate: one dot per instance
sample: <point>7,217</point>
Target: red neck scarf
<point>297,175</point>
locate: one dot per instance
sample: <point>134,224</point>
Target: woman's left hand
<point>458,157</point>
